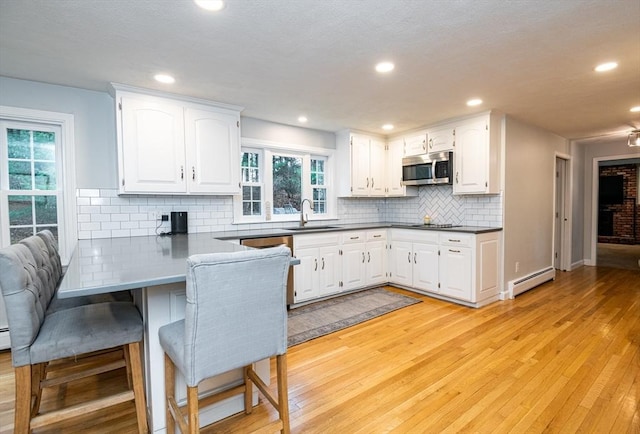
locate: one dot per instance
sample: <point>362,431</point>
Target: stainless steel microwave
<point>428,169</point>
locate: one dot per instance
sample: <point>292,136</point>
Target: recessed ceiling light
<point>635,109</point>
<point>210,5</point>
<point>164,78</point>
<point>302,119</point>
<point>387,127</point>
<point>385,67</point>
<point>606,66</point>
<point>474,102</point>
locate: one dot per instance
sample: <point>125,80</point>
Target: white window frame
<point>267,150</point>
<point>68,225</point>
<point>261,184</point>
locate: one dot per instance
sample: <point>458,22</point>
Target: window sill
<point>287,221</point>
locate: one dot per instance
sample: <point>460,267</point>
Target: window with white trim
<point>275,180</point>
<point>35,192</point>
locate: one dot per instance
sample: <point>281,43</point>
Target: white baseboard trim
<point>589,262</point>
<point>522,284</point>
<point>577,264</point>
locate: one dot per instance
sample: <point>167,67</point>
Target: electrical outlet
<point>164,217</point>
<point>517,266</point>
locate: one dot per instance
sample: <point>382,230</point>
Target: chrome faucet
<point>303,221</point>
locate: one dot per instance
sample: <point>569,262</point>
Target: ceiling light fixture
<point>384,67</point>
<point>635,109</point>
<point>302,119</point>
<point>387,127</point>
<point>210,5</point>
<point>474,102</point>
<point>608,66</point>
<point>634,138</point>
<point>164,78</point>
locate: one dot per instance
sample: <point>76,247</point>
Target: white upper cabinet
<point>395,153</point>
<point>415,144</point>
<point>361,165</point>
<point>441,139</point>
<point>477,156</point>
<point>173,146</point>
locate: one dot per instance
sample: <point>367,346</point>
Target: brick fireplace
<point>619,223</point>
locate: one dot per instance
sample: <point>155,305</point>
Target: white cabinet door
<point>441,139</point>
<point>415,144</point>
<point>471,163</point>
<point>329,270</point>
<point>401,263</point>
<point>360,165</point>
<point>376,264</point>
<point>305,274</point>
<point>353,266</point>
<point>377,168</point>
<point>425,266</point>
<point>151,152</point>
<point>213,151</point>
<point>455,272</point>
<point>394,168</point>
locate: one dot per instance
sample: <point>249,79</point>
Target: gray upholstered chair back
<point>25,298</point>
<point>44,268</point>
<point>236,310</point>
<point>54,252</point>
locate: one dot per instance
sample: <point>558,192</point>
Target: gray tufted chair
<point>236,315</point>
<point>38,336</point>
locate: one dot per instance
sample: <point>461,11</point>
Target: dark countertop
<point>278,232</point>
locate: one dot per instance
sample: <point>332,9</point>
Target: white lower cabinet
<point>452,265</point>
<point>319,271</point>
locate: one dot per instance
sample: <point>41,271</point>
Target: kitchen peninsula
<point>154,268</point>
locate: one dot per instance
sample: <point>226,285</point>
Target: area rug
<point>324,317</point>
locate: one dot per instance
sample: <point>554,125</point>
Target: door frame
<point>562,207</point>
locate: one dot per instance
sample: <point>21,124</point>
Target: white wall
<point>590,150</point>
<point>94,120</point>
<point>577,200</point>
<point>529,197</point>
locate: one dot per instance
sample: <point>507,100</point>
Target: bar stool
<point>235,315</point>
<point>38,337</point>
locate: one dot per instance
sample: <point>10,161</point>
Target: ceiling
<point>532,59</point>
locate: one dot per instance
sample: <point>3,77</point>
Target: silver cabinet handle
<point>193,173</point>
<point>456,177</point>
<point>453,241</point>
<point>415,258</point>
<point>377,236</point>
<point>372,182</point>
<point>363,257</point>
<point>181,172</point>
<point>354,238</point>
<point>368,256</point>
<point>323,263</point>
<point>454,251</point>
<point>409,257</point>
<point>367,182</point>
<point>316,267</point>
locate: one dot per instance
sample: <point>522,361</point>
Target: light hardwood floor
<point>562,358</point>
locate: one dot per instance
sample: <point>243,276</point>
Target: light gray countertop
<point>115,264</point>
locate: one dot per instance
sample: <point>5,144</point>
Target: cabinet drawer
<point>377,235</point>
<point>456,239</point>
<point>354,237</point>
<point>327,239</point>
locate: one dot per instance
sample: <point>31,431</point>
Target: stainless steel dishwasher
<point>263,243</point>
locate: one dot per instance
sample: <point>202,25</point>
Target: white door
<point>394,168</point>
<point>353,266</point>
<point>401,263</point>
<point>360,165</point>
<point>377,168</point>
<point>329,270</point>
<point>425,266</point>
<point>415,144</point>
<point>471,160</point>
<point>213,152</point>
<point>376,262</point>
<point>305,274</point>
<point>441,139</point>
<point>455,272</point>
<point>153,150</point>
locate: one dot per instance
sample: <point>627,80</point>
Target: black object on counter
<point>179,222</point>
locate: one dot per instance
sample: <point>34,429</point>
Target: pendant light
<point>634,138</point>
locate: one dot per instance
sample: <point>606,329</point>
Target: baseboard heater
<point>531,280</point>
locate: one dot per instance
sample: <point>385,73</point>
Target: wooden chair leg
<point>134,358</point>
<point>38,373</point>
<point>22,416</point>
<point>192,410</point>
<point>169,392</point>
<point>127,362</point>
<point>283,392</point>
<point>248,391</point>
